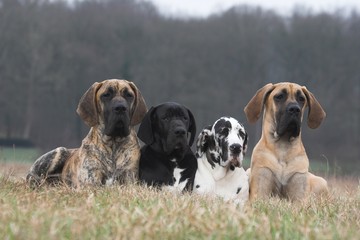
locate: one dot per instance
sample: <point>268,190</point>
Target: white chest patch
<point>178,186</point>
<point>177,177</point>
<point>233,186</point>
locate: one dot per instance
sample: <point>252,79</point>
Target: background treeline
<point>50,53</point>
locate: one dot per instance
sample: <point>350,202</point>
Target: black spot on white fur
<point>214,141</point>
<point>220,151</point>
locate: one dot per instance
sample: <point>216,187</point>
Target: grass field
<point>29,155</point>
<point>137,212</point>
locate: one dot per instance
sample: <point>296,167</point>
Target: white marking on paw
<point>109,181</point>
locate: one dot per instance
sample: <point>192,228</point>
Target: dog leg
<point>92,173</point>
<point>317,185</point>
<point>49,166</point>
<point>297,187</point>
<point>301,184</point>
<point>124,176</point>
<point>262,183</point>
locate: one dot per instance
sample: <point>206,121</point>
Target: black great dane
<point>168,130</point>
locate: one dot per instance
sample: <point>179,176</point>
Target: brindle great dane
<point>110,152</point>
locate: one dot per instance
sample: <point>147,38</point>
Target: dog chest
<point>177,174</point>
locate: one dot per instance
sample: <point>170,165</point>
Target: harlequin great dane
<point>168,130</point>
<point>220,152</point>
<point>110,152</point>
<point>279,164</point>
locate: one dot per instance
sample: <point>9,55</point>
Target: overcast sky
<point>203,8</point>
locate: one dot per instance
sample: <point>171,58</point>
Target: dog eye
<point>105,95</point>
<point>301,99</point>
<point>279,97</point>
<point>127,94</point>
<point>165,118</point>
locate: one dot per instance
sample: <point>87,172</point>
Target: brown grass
<point>137,212</point>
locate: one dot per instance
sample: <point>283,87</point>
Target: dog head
<point>284,105</point>
<point>224,143</point>
<point>112,105</point>
<point>166,127</point>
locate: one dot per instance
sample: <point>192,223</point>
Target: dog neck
<point>282,148</point>
<point>217,172</point>
<point>269,134</point>
<point>96,135</point>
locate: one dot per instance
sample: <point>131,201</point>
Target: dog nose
<point>119,108</point>
<point>235,148</point>
<point>180,132</point>
<point>293,109</point>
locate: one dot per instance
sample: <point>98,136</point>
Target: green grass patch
<point>137,212</point>
<point>14,154</point>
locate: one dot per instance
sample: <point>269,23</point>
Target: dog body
<point>220,151</point>
<point>166,159</point>
<point>279,164</point>
<point>110,152</point>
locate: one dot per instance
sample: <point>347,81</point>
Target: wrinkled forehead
<point>291,89</point>
<point>227,122</point>
<point>115,86</point>
<point>170,110</point>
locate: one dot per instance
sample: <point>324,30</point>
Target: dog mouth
<point>178,146</point>
<point>176,149</point>
<point>117,128</point>
<point>234,162</point>
<point>289,129</point>
<point>293,128</point>
<point>176,143</point>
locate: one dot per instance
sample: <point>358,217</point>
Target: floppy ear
<point>145,132</point>
<point>87,108</point>
<point>139,109</point>
<point>245,144</point>
<point>316,114</point>
<point>192,128</point>
<point>254,108</point>
<point>202,142</point>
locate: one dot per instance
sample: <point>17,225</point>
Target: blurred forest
<point>50,54</point>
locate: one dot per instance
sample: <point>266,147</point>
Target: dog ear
<point>145,132</point>
<point>87,108</point>
<point>202,142</point>
<point>254,108</point>
<point>192,128</point>
<point>139,109</point>
<point>245,144</point>
<point>316,114</point>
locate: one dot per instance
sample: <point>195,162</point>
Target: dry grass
<point>137,212</point>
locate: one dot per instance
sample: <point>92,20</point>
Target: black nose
<point>119,108</point>
<point>235,148</point>
<point>293,109</point>
<point>180,132</point>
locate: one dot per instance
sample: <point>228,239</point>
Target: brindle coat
<point>110,152</point>
<point>279,164</point>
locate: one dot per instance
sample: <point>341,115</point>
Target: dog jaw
<point>235,162</point>
<point>118,127</point>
